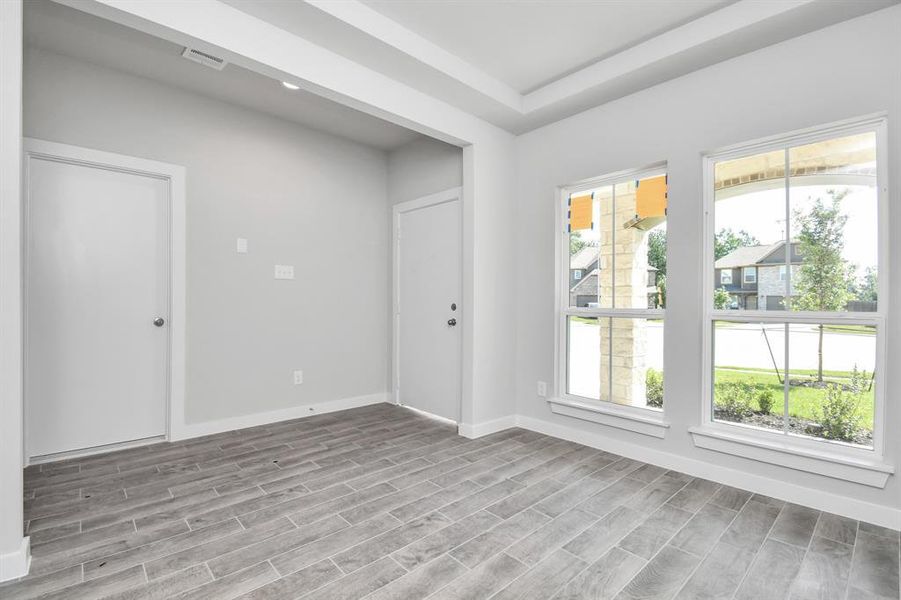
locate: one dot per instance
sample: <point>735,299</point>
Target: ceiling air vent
<point>207,60</point>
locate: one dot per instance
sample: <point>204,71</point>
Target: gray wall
<point>811,80</point>
<point>423,167</point>
<point>301,198</point>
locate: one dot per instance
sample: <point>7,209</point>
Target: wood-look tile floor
<point>380,502</point>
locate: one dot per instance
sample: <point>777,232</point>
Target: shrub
<point>721,298</point>
<point>839,415</point>
<point>765,400</point>
<point>859,379</point>
<point>733,398</point>
<point>654,384</point>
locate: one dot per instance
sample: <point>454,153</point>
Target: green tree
<point>867,288</point>
<point>721,298</point>
<point>726,241</point>
<point>657,250</point>
<point>576,243</point>
<point>824,276</point>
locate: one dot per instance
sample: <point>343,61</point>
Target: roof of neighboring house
<point>583,258</point>
<point>587,286</point>
<point>746,256</point>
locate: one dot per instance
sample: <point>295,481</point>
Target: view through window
<point>795,309</point>
<point>615,290</point>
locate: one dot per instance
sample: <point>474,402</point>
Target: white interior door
<point>428,309</point>
<point>96,363</point>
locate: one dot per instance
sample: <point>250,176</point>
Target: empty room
<point>450,299</point>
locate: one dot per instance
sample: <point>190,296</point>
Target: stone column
<point>623,268</point>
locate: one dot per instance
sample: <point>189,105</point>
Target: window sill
<point>831,464</point>
<point>614,416</point>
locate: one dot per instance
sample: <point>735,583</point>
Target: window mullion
<point>612,291</point>
<point>788,235</point>
<point>786,383</point>
<point>610,359</point>
<point>787,291</point>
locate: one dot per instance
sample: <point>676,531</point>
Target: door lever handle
<point>452,322</point>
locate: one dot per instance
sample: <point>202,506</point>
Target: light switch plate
<point>241,246</point>
<point>284,271</point>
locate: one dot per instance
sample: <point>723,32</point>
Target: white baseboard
<point>477,430</point>
<point>192,430</point>
<point>841,505</point>
<point>15,564</point>
<point>48,458</point>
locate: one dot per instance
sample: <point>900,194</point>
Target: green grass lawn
<point>803,402</point>
<point>796,373</point>
<point>855,329</point>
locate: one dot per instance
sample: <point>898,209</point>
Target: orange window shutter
<point>650,197</point>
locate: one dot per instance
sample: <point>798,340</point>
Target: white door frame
<point>451,195</point>
<point>175,176</point>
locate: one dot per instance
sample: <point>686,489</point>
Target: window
<point>577,274</point>
<point>726,276</point>
<point>611,322</point>
<point>803,363</point>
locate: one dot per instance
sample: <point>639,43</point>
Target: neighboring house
<point>583,276</point>
<point>582,263</point>
<point>583,279</point>
<point>755,276</point>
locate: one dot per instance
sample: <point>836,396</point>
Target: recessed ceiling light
<point>290,86</point>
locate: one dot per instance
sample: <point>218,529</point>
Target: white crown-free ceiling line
<point>727,20</point>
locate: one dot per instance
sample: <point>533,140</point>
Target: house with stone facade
<point>755,276</point>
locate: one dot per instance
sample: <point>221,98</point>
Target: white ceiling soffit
<point>56,28</point>
<point>429,50</point>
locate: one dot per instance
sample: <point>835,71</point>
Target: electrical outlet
<point>298,377</point>
<point>542,389</point>
<point>284,271</point>
<point>241,246</point>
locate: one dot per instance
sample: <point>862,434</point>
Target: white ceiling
<point>521,64</point>
<point>527,44</point>
<point>53,27</point>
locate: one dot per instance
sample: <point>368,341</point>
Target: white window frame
<point>633,418</point>
<point>746,271</point>
<point>577,274</point>
<point>834,459</point>
<point>783,274</point>
<point>723,278</point>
